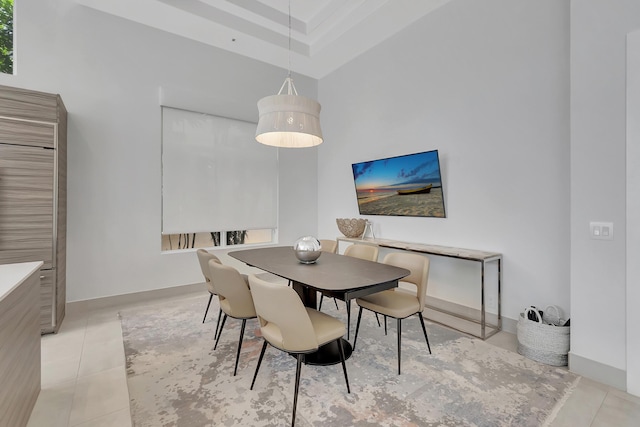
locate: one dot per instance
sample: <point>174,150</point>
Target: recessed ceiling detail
<point>325,34</point>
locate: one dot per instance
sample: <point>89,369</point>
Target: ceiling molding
<point>325,34</point>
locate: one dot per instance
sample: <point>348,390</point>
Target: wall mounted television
<point>408,185</point>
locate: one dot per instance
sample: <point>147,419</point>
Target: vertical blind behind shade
<point>215,176</point>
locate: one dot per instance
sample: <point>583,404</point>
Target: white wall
<point>108,72</point>
<point>598,182</point>
<point>486,83</point>
<point>633,212</point>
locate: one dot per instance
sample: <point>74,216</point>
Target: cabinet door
<point>18,132</point>
<point>26,204</point>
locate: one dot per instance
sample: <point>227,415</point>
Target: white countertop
<point>12,275</point>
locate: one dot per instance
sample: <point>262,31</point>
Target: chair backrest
<point>284,321</point>
<point>328,245</point>
<point>368,252</point>
<point>418,265</point>
<point>229,285</point>
<point>203,258</point>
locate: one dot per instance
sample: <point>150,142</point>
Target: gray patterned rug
<point>176,379</point>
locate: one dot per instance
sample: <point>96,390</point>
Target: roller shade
<point>215,176</point>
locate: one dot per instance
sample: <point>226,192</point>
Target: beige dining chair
<point>362,251</point>
<point>368,252</point>
<point>298,330</point>
<point>235,299</point>
<point>400,303</point>
<point>330,246</point>
<point>327,245</point>
<point>203,258</point>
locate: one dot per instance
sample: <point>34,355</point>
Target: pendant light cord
<point>289,39</point>
<point>288,82</point>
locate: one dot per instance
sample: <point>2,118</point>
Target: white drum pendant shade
<point>291,121</point>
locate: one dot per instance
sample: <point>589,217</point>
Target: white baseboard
<point>597,371</point>
<point>508,325</point>
<point>116,300</point>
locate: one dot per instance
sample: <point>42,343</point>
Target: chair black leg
<point>218,324</point>
<point>357,328</point>
<point>348,317</point>
<point>399,340</point>
<point>385,325</point>
<point>344,366</point>
<point>336,303</point>
<point>244,323</point>
<point>224,319</point>
<point>320,305</point>
<point>295,393</point>
<point>255,375</point>
<point>207,310</point>
<point>378,320</point>
<point>425,331</point>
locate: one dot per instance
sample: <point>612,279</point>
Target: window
<point>219,186</point>
<point>6,36</point>
<point>171,242</point>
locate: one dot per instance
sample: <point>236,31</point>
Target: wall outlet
<point>601,230</point>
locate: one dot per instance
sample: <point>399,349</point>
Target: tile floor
<point>84,381</point>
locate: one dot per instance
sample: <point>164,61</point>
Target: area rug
<point>175,378</point>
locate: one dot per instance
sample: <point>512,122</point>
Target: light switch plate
<point>601,230</point>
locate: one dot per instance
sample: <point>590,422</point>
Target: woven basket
<point>351,227</point>
<point>543,342</point>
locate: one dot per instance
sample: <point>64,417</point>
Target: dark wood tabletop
<point>334,273</point>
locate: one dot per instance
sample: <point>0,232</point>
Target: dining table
<point>336,275</point>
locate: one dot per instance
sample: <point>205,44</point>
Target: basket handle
<point>553,307</point>
<point>531,309</point>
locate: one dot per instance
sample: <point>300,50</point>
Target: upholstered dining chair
<point>327,245</point>
<point>330,246</point>
<point>362,251</point>
<point>368,252</point>
<point>298,330</point>
<point>203,258</point>
<point>400,303</point>
<point>235,299</point>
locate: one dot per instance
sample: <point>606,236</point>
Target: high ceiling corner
<point>325,34</point>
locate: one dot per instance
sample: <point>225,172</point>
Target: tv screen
<point>408,185</point>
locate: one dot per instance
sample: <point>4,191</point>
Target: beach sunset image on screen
<point>408,185</point>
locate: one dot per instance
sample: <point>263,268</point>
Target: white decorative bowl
<point>351,227</point>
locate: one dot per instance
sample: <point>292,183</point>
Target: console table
<point>487,328</point>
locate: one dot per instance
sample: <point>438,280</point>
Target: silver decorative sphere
<point>307,249</point>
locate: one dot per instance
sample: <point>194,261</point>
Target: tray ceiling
<point>325,34</point>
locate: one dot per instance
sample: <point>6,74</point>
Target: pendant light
<point>288,119</point>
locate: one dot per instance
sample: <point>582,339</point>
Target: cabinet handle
<point>42,277</point>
